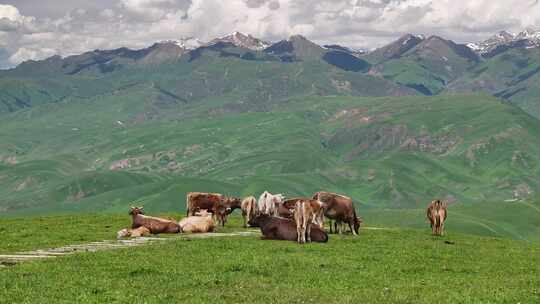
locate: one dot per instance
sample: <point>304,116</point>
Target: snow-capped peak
<point>189,43</point>
<point>242,40</point>
<point>529,33</point>
<point>528,38</point>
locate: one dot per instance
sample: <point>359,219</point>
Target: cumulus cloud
<point>30,30</point>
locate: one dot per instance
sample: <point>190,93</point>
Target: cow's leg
<point>351,227</point>
<point>308,232</point>
<point>298,233</point>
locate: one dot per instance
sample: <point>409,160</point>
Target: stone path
<point>41,254</point>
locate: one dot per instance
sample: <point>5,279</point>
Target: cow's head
<point>233,202</point>
<point>221,211</point>
<point>136,210</point>
<point>257,220</point>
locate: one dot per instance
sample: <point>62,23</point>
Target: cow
<point>154,224</point>
<point>201,201</point>
<point>137,232</point>
<point>436,213</point>
<point>278,228</point>
<point>267,203</point>
<point>249,209</point>
<point>286,208</point>
<point>339,208</point>
<point>221,212</point>
<point>215,203</point>
<point>201,223</point>
<point>303,215</point>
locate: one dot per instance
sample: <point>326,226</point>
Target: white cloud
<point>356,23</point>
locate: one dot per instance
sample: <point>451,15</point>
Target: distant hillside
<point>100,154</point>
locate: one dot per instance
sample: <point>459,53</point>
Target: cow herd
<point>299,219</point>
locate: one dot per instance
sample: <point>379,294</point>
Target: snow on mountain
<point>504,40</point>
<point>242,40</point>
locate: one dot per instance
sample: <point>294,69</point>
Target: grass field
<point>380,266</point>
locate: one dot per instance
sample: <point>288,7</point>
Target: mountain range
<point>421,117</point>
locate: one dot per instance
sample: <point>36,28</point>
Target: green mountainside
<point>95,132</point>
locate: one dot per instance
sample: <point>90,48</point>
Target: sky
<point>31,29</point>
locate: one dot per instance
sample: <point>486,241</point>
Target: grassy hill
<point>380,265</point>
<point>103,154</point>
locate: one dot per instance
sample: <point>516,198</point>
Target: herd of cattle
<point>298,219</point>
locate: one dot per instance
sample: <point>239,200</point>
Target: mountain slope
<point>385,152</point>
<point>427,65</point>
<point>513,75</point>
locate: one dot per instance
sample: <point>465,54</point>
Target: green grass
<point>379,266</point>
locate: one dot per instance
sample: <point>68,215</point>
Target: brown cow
<point>249,209</point>
<point>154,224</point>
<point>436,213</point>
<point>285,209</point>
<point>202,201</point>
<point>278,228</point>
<point>303,217</point>
<point>215,203</point>
<point>339,208</point>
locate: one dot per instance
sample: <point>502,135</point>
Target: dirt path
<point>13,259</point>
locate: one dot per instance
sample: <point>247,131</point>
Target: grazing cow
<point>249,209</point>
<point>154,224</point>
<point>436,213</point>
<point>138,232</point>
<point>278,228</point>
<point>303,217</point>
<point>339,208</point>
<point>267,203</point>
<point>198,224</point>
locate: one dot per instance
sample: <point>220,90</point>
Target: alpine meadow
<point>366,136</point>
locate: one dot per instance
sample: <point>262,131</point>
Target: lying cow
<point>436,213</point>
<point>267,203</point>
<point>137,232</point>
<point>154,224</point>
<point>249,209</point>
<point>201,223</point>
<point>277,228</point>
<point>339,208</point>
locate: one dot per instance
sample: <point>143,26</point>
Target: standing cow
<point>267,203</point>
<point>436,213</point>
<point>303,217</point>
<point>215,203</point>
<point>339,208</point>
<point>249,209</point>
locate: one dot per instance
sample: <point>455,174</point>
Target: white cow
<point>267,203</point>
